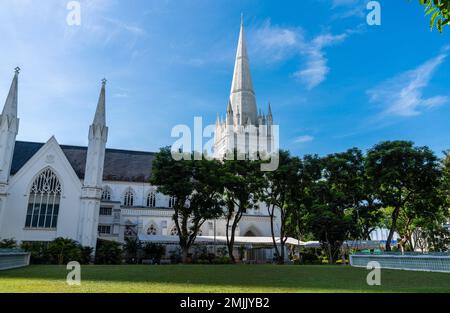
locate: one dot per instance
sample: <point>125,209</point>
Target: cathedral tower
<point>243,129</point>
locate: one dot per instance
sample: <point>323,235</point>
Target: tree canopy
<point>439,12</point>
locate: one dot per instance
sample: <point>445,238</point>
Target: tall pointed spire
<point>242,95</point>
<point>91,191</point>
<point>10,108</point>
<point>9,127</point>
<point>100,118</point>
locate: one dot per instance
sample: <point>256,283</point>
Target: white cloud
<point>275,36</point>
<point>316,68</point>
<point>133,29</point>
<point>276,43</point>
<point>304,139</point>
<point>348,8</point>
<point>338,3</point>
<point>402,95</point>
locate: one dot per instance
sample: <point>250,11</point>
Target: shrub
<point>222,260</point>
<point>201,255</point>
<point>222,251</point>
<point>59,251</point>
<point>131,249</point>
<point>86,254</point>
<point>8,244</point>
<point>175,256</point>
<point>154,251</point>
<point>108,252</point>
<point>309,256</point>
<point>63,250</point>
<point>38,251</point>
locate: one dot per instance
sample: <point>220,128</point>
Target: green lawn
<point>218,278</point>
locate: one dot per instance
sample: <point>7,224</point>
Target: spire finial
<point>242,19</point>
<point>99,118</point>
<point>10,107</point>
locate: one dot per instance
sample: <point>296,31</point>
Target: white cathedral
<point>49,190</point>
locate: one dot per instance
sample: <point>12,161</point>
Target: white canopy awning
<point>257,241</point>
<point>221,240</point>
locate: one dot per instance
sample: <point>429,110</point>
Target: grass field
<point>218,278</point>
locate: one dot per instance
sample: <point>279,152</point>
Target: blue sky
<point>334,82</point>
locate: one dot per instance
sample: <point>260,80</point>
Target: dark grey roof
<point>120,165</point>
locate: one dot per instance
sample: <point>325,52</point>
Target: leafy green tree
<point>63,250</point>
<point>303,197</point>
<point>439,12</point>
<point>108,252</point>
<point>431,219</point>
<point>206,202</point>
<point>154,251</point>
<point>196,187</point>
<point>445,187</point>
<point>86,254</point>
<point>242,180</point>
<point>347,175</point>
<point>278,193</point>
<point>402,175</point>
<point>131,248</point>
<point>337,193</point>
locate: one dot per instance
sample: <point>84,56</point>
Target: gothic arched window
<point>44,200</point>
<point>151,230</point>
<point>171,202</point>
<point>174,231</point>
<point>151,200</point>
<point>128,198</point>
<point>106,194</point>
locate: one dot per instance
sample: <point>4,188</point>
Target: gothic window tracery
<point>44,201</point>
<point>151,230</point>
<point>128,198</point>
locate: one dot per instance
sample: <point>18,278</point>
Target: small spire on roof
<point>99,118</point>
<point>10,107</point>
<point>229,108</point>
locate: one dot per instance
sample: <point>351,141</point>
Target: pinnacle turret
<point>10,107</point>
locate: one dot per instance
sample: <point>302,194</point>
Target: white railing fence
<point>13,258</point>
<point>439,262</point>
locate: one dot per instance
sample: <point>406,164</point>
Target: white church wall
<point>13,226</point>
<point>140,192</point>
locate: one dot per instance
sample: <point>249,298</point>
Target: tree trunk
<point>184,254</point>
<point>329,249</point>
<point>281,259</point>
<point>282,238</point>
<point>271,214</point>
<point>330,254</point>
<point>392,230</point>
<point>230,241</point>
